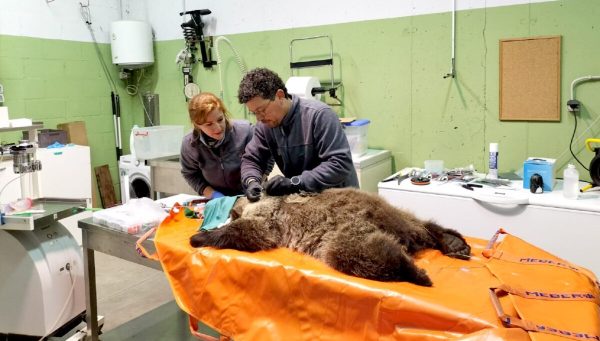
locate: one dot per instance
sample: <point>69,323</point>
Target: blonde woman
<point>211,154</point>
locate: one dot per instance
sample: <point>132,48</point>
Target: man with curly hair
<point>303,136</point>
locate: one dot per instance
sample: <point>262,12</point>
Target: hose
<point>238,60</point>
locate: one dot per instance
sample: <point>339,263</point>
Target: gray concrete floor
<point>137,303</point>
<point>127,290</point>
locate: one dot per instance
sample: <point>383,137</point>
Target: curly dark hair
<point>260,82</point>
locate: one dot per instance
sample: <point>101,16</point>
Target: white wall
<point>61,19</point>
<point>241,16</point>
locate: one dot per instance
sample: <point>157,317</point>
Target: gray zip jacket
<point>217,167</point>
<point>309,143</point>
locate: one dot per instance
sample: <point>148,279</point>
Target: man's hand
<point>253,191</point>
<point>280,185</point>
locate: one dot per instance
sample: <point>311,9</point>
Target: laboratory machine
<point>42,286</point>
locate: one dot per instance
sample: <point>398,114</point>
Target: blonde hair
<point>203,104</point>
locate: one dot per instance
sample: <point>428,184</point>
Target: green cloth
<point>216,212</point>
<point>190,213</point>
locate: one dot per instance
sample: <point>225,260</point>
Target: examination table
<point>509,290</point>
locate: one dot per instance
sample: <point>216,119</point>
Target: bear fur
<point>355,232</point>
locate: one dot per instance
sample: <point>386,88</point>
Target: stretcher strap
<point>140,249</point>
<point>490,248</point>
<point>549,295</point>
<point>491,251</point>
<point>510,321</point>
<point>193,322</point>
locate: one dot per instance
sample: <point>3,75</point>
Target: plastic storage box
<point>148,143</point>
<point>356,133</point>
<point>542,166</point>
<point>46,137</point>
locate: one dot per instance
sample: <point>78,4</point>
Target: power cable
<point>68,267</point>
<point>571,144</point>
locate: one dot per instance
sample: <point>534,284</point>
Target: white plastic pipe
<point>581,80</point>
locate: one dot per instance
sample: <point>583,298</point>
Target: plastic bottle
<point>571,182</point>
<point>493,161</point>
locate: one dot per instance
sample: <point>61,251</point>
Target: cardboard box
<point>542,166</point>
<point>76,132</point>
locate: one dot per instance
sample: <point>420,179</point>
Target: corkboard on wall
<point>530,79</point>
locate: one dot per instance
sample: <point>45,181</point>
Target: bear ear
<point>238,207</point>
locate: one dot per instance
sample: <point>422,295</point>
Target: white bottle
<point>571,182</point>
<point>493,162</point>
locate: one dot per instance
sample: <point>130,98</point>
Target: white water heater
<point>131,44</point>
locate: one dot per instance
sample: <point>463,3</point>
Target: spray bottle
<point>493,161</point>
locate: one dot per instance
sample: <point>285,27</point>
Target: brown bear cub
<point>354,232</point>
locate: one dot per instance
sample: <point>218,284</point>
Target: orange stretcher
<point>509,290</point>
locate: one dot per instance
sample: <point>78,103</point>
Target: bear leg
<point>449,241</point>
<point>375,255</point>
<point>241,234</point>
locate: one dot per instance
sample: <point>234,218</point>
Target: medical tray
<point>51,210</point>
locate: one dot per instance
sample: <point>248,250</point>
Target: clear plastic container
<point>571,182</point>
<point>356,133</point>
<point>148,143</point>
<point>434,166</point>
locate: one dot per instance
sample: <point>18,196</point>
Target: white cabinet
<point>569,229</point>
<point>66,172</point>
<point>372,167</point>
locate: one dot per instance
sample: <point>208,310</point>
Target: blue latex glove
<point>217,194</point>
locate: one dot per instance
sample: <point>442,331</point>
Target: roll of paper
<point>302,86</point>
<point>4,122</point>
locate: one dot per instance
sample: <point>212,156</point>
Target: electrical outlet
<point>573,106</point>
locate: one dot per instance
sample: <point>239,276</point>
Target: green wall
<point>391,72</point>
<point>57,81</point>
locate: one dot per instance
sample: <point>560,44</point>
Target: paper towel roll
<point>302,86</point>
<point>4,122</point>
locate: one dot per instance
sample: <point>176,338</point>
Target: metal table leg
<point>91,306</point>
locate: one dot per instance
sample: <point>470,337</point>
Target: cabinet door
<point>569,234</point>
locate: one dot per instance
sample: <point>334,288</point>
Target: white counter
<point>567,228</point>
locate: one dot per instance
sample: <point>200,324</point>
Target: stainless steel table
<point>167,178</point>
<point>115,243</point>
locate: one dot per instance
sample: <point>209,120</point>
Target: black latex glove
<point>253,191</point>
<point>280,185</point>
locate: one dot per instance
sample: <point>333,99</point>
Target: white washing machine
<point>135,178</point>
